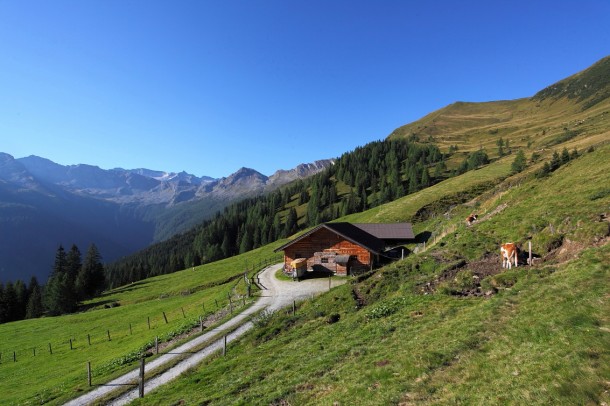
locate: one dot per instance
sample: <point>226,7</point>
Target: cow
<point>471,219</point>
<point>509,254</point>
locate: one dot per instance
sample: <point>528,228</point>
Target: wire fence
<point>168,323</point>
<point>434,238</point>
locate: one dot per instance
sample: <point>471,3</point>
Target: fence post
<point>14,356</point>
<point>34,350</point>
<point>183,315</point>
<point>89,338</point>
<point>529,243</point>
<point>156,344</point>
<point>108,331</point>
<point>89,372</point>
<point>149,322</point>
<point>165,317</point>
<point>294,307</point>
<point>201,323</point>
<point>70,343</point>
<point>130,330</point>
<point>141,378</point>
<point>224,347</point>
<point>216,300</point>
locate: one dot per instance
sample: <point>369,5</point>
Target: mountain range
<point>44,204</point>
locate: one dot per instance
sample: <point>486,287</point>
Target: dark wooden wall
<point>325,240</point>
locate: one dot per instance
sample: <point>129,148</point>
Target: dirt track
<point>275,295</point>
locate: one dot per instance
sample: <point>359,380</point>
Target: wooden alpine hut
<point>343,248</point>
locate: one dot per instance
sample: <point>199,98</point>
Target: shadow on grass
<point>106,303</point>
<point>424,236</point>
<point>127,288</point>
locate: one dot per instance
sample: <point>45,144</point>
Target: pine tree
<point>59,294</point>
<point>439,168</point>
<point>73,261</point>
<point>60,264</point>
<point>226,246</point>
<point>34,306</point>
<point>565,156</point>
<point>519,163</point>
<point>246,242</point>
<point>500,144</point>
<point>425,178</point>
<point>3,309</point>
<point>21,299</point>
<point>10,300</point>
<point>555,162</point>
<point>91,278</point>
<point>291,222</point>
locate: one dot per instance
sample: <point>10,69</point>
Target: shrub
<point>386,308</point>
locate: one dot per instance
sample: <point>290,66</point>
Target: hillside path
<point>275,295</point>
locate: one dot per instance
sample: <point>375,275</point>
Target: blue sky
<point>211,86</point>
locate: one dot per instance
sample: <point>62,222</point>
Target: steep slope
<point>387,339</point>
<point>411,332</point>
<point>574,106</point>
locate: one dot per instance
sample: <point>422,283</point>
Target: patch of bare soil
<point>490,265</point>
<point>358,297</point>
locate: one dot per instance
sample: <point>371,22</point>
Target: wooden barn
<point>344,248</point>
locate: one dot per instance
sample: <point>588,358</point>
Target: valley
<point>445,324</point>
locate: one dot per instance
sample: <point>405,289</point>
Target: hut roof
<point>359,235</point>
<point>388,231</point>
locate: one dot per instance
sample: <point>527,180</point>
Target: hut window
<point>325,260</point>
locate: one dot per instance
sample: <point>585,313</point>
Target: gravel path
<point>275,295</point>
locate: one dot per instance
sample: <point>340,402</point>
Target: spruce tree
<point>555,162</point>
<point>73,261</point>
<point>519,163</point>
<point>34,307</point>
<point>10,300</point>
<point>565,156</point>
<point>3,316</point>
<point>500,144</point>
<point>59,295</point>
<point>425,178</point>
<point>21,299</point>
<point>91,279</point>
<point>246,242</point>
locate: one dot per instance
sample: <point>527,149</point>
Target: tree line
<point>72,280</point>
<point>371,175</point>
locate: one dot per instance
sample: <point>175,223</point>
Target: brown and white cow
<point>509,254</point>
<point>471,219</point>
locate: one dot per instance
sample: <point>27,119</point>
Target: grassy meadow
<point>541,336</point>
<point>445,325</point>
<point>39,377</point>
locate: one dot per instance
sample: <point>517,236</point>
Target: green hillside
<point>444,325</point>
<point>38,365</point>
<point>448,325</point>
<point>575,109</point>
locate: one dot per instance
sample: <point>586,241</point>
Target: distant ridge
<point>558,112</point>
<point>44,204</point>
<point>590,86</point>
